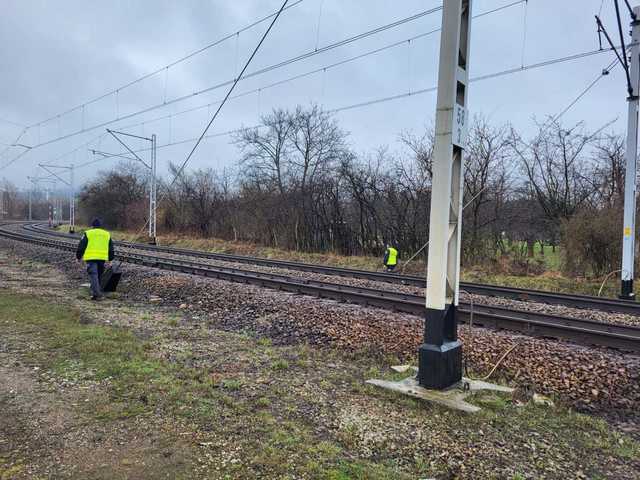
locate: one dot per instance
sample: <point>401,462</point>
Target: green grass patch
<point>277,431</point>
<point>140,385</point>
<point>280,364</point>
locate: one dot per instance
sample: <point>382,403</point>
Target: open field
<point>130,389</point>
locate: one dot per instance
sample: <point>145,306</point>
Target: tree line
<point>300,185</point>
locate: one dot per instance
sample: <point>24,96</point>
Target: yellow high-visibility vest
<point>393,256</point>
<point>97,245</point>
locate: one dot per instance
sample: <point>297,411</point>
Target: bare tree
<point>610,169</point>
<point>422,148</point>
<point>117,196</point>
<point>265,153</point>
<point>558,169</point>
<point>486,155</point>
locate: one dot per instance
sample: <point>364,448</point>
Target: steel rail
<point>531,323</point>
<point>513,293</point>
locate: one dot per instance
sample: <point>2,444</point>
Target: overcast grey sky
<point>59,54</point>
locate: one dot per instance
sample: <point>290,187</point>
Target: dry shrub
<point>592,243</point>
<point>517,261</point>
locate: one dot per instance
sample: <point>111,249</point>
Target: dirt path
<point>47,426</point>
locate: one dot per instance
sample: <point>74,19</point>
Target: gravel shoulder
<point>182,377</point>
<point>586,314</point>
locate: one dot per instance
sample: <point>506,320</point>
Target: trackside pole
<point>440,357</point>
<point>72,200</point>
<point>153,192</point>
<point>153,181</point>
<point>631,155</point>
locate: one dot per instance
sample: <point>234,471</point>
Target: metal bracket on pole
<point>35,181</point>
<point>153,188</point>
<point>631,153</point>
<point>440,357</point>
<point>72,194</point>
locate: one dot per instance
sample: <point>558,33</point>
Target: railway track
<point>582,331</point>
<point>568,300</point>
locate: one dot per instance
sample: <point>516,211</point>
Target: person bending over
<point>390,258</point>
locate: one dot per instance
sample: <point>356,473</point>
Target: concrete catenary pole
<point>440,357</point>
<point>631,155</point>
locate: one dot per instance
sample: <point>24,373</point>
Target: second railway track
<point>552,298</point>
<point>588,332</point>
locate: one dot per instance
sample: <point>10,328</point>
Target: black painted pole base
<point>627,290</point>
<point>440,357</point>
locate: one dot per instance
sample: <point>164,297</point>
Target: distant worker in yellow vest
<point>390,258</point>
<point>95,249</point>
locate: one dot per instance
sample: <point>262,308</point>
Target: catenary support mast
<point>440,357</point>
<point>72,191</point>
<point>153,191</point>
<point>153,187</point>
<point>631,155</point>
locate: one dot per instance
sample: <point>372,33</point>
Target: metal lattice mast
<point>153,190</point>
<point>72,200</point>
<point>440,357</point>
<point>72,192</point>
<point>151,167</point>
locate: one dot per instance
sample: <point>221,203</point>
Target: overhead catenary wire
<point>10,122</point>
<point>295,77</point>
<point>374,101</point>
<point>322,69</point>
<point>385,100</point>
<point>262,71</point>
<point>555,118</point>
<point>215,115</point>
<point>169,65</point>
<point>480,78</point>
<point>605,72</point>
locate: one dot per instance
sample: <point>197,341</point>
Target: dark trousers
<point>390,268</point>
<point>95,269</point>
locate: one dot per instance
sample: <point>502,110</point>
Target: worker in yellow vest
<point>95,249</point>
<point>390,257</point>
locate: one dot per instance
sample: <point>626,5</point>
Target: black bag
<point>110,279</point>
